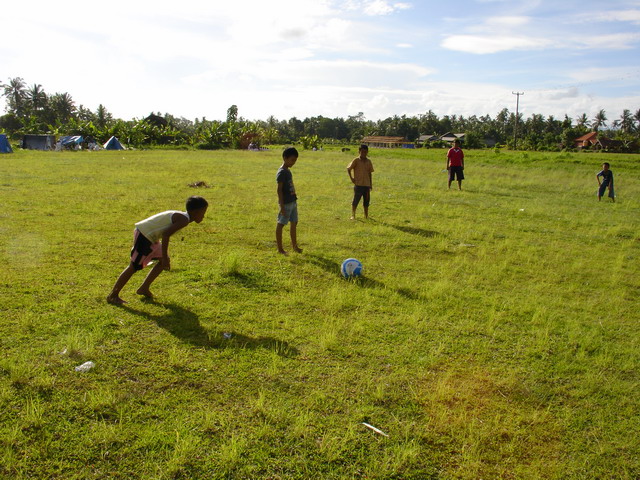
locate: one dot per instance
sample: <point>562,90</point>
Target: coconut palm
<point>583,121</point>
<point>600,120</point>
<point>63,106</point>
<point>625,122</point>
<point>103,118</point>
<point>16,94</point>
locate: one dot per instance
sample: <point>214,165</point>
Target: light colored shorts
<point>291,209</point>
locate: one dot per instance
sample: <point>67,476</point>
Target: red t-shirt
<point>455,157</point>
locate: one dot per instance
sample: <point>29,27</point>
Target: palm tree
<point>103,117</point>
<point>583,121</point>
<point>63,106</point>
<point>37,98</point>
<point>625,122</point>
<point>16,94</point>
<point>600,120</point>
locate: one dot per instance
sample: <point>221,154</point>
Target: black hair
<point>364,147</point>
<point>606,163</point>
<point>196,203</point>
<point>289,152</point>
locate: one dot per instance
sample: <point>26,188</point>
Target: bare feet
<point>115,300</point>
<point>144,292</point>
<point>283,252</point>
<point>297,249</point>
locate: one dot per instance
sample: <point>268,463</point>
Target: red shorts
<point>143,251</point>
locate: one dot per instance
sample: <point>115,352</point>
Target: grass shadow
<point>253,281</point>
<point>421,232</point>
<point>185,325</point>
<point>363,281</point>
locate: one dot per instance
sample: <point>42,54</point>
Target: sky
<point>304,58</point>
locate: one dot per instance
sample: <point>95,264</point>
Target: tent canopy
<point>113,144</point>
<point>5,146</point>
<point>39,142</point>
<point>71,140</point>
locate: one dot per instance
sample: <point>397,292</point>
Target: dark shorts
<point>603,188</point>
<point>143,251</point>
<point>361,192</point>
<point>456,172</point>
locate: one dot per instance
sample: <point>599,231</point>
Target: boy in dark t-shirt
<point>287,200</point>
<point>607,181</point>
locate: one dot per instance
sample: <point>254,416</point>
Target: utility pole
<point>515,127</point>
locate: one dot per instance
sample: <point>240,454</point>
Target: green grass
<point>495,333</point>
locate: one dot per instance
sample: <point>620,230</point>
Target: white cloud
<point>616,41</point>
<point>486,44</point>
<point>375,7</point>
<point>630,16</point>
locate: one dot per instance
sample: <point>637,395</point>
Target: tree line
<point>30,110</point>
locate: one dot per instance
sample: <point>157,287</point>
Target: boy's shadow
<point>366,282</point>
<point>185,325</point>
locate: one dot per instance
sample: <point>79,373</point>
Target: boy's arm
<point>179,222</point>
<point>462,160</point>
<point>598,178</point>
<point>370,180</point>
<point>349,168</point>
<point>281,198</point>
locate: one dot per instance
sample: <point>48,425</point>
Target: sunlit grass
<point>494,334</point>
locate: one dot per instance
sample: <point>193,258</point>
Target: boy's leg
<point>459,184</point>
<point>354,203</point>
<point>279,228</point>
<point>294,239</point>
<point>125,276</point>
<point>152,275</point>
<point>365,202</point>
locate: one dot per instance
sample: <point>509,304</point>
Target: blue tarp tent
<point>5,147</point>
<point>70,141</point>
<point>113,144</point>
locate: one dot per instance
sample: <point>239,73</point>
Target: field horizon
<point>494,333</point>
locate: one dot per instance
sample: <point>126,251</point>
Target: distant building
<point>450,137</point>
<point>384,142</point>
<point>587,140</point>
<point>422,139</point>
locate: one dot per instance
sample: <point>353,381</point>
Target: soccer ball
<point>351,268</point>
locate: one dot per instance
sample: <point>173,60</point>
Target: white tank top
<point>154,226</point>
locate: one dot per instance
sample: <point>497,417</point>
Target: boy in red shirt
<point>455,164</point>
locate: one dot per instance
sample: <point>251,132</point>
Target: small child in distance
<point>147,246</point>
<point>607,181</point>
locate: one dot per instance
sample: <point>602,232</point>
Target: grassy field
<point>495,333</point>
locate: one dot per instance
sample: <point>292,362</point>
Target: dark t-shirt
<point>288,190</point>
<point>607,177</point>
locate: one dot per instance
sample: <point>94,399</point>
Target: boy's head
<point>289,156</point>
<point>605,166</point>
<point>363,150</point>
<point>196,208</point>
<point>456,143</point>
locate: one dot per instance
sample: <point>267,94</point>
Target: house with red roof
<point>588,140</point>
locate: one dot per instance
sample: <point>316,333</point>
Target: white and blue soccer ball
<point>351,268</point>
